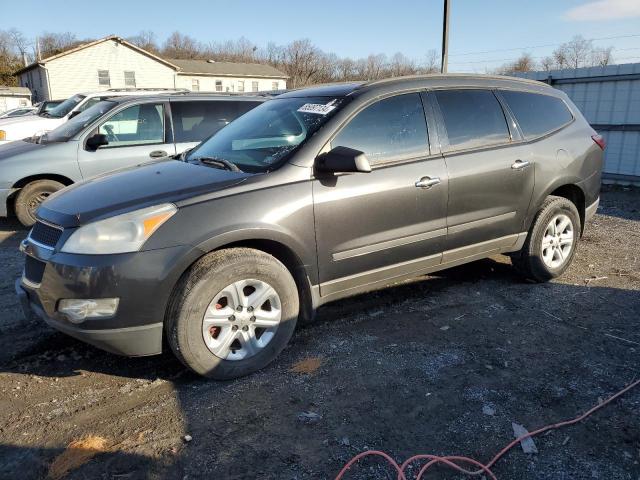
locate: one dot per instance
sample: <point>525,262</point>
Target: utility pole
<point>445,37</point>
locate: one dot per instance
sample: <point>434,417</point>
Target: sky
<point>483,33</point>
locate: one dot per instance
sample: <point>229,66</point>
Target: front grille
<point>45,234</point>
<point>33,270</point>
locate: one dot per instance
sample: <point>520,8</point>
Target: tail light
<point>600,141</point>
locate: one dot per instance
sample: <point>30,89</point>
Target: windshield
<point>263,137</point>
<point>78,123</point>
<point>65,107</point>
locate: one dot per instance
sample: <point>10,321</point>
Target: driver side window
<point>136,125</point>
<point>389,130</point>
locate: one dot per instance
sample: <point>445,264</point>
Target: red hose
<point>455,462</point>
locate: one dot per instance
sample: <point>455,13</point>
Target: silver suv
<point>116,132</point>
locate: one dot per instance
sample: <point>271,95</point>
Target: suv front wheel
<point>552,241</point>
<point>232,313</point>
<point>31,196</point>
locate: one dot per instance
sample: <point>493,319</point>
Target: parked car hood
<point>17,128</point>
<point>18,147</point>
<point>130,189</point>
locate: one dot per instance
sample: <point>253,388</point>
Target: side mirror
<point>342,160</point>
<point>74,114</point>
<point>96,141</point>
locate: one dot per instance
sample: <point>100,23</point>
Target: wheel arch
<point>278,246</point>
<point>66,181</point>
<point>568,188</point>
<point>18,185</point>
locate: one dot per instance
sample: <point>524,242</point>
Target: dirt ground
<point>443,364</point>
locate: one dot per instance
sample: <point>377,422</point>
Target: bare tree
<point>602,56</point>
<point>10,59</point>
<point>181,46</point>
<point>146,40</point>
<point>578,51</point>
<point>432,62</point>
<point>547,63</point>
<point>54,43</point>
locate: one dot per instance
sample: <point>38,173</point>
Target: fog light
<point>80,309</point>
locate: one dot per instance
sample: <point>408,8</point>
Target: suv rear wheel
<point>31,196</point>
<point>232,313</point>
<point>552,241</point>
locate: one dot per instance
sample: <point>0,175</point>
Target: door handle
<point>158,154</point>
<point>427,182</point>
<point>519,164</point>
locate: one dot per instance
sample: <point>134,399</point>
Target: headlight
<point>119,234</point>
<point>3,135</point>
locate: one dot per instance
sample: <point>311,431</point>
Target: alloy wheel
<point>557,241</point>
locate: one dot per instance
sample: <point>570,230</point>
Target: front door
<point>490,177</point>
<point>379,225</point>
<point>136,134</point>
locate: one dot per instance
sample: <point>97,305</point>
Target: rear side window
<point>194,121</point>
<point>473,118</point>
<point>537,114</point>
<point>388,130</point>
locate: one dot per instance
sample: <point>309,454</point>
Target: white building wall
<point>78,72</point>
<point>229,84</point>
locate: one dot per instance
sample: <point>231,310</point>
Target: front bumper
<point>143,281</point>
<point>131,342</point>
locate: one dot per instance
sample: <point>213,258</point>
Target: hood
<point>18,147</point>
<point>21,127</point>
<point>166,181</point>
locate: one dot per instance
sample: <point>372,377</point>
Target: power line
<point>533,57</point>
<point>542,46</point>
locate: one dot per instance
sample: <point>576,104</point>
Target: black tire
<point>198,287</point>
<point>31,196</point>
<point>529,261</point>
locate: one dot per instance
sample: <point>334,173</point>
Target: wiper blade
<point>219,163</point>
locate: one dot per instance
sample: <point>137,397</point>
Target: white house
<point>112,62</point>
<point>14,97</point>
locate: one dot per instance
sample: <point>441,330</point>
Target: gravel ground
<point>443,364</point>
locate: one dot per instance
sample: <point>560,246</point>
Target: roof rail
<point>266,93</point>
<point>147,89</point>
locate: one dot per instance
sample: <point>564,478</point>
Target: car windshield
<point>78,123</point>
<point>65,107</point>
<point>264,137</point>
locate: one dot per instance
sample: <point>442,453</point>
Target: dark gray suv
<point>316,195</point>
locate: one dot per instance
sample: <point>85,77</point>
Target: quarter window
<point>391,129</point>
<point>135,125</point>
<point>195,121</point>
<point>129,79</point>
<point>104,80</point>
<point>537,114</point>
<point>473,118</point>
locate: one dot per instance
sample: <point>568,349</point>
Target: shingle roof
<point>226,69</point>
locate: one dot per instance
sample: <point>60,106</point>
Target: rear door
<point>490,173</point>
<point>195,120</point>
<point>136,134</point>
<point>378,225</point>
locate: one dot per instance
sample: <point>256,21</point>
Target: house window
<point>129,79</point>
<point>254,86</point>
<point>241,85</point>
<point>103,78</point>
<point>218,85</point>
<point>195,85</point>
<point>274,85</point>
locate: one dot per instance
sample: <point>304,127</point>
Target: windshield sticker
<point>317,108</point>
